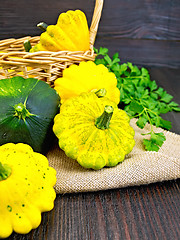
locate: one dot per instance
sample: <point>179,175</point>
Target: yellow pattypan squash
<point>93,131</point>
<point>70,33</point>
<point>87,76</point>
<point>26,188</point>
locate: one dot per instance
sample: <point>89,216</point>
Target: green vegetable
<point>140,97</point>
<point>27,109</point>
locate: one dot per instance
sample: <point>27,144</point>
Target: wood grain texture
<point>142,212</point>
<point>143,52</point>
<point>145,32</point>
<point>146,212</point>
<point>141,19</point>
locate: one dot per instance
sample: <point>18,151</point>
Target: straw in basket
<point>44,65</point>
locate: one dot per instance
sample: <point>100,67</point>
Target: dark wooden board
<point>142,19</point>
<point>143,52</point>
<point>145,212</point>
<point>146,32</point>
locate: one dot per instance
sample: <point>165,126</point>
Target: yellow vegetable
<point>26,188</point>
<point>74,24</point>
<point>87,76</point>
<point>93,131</point>
<point>70,33</point>
<point>37,47</point>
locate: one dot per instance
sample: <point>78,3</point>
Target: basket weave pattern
<point>44,65</point>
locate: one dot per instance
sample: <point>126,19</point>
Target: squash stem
<point>42,25</point>
<point>100,93</point>
<point>27,45</point>
<point>102,122</point>
<point>21,112</point>
<point>5,171</point>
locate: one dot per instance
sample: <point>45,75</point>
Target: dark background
<point>145,32</point>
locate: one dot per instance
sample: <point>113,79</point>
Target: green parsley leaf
<point>150,145</point>
<point>153,86</point>
<point>136,107</point>
<point>141,122</point>
<point>108,60</point>
<point>158,138</point>
<point>174,106</point>
<point>165,124</point>
<point>102,51</point>
<point>155,142</point>
<point>166,97</point>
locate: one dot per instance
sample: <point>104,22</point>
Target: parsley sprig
<point>140,97</point>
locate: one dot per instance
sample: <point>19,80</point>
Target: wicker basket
<point>44,65</point>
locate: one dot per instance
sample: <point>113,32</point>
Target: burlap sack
<point>139,167</point>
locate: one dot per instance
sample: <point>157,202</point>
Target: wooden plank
<point>145,212</point>
<point>143,52</point>
<point>149,19</point>
<point>141,19</point>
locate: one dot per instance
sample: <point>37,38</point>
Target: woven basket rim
<point>44,57</point>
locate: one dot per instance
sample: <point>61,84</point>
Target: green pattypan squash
<point>27,110</point>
